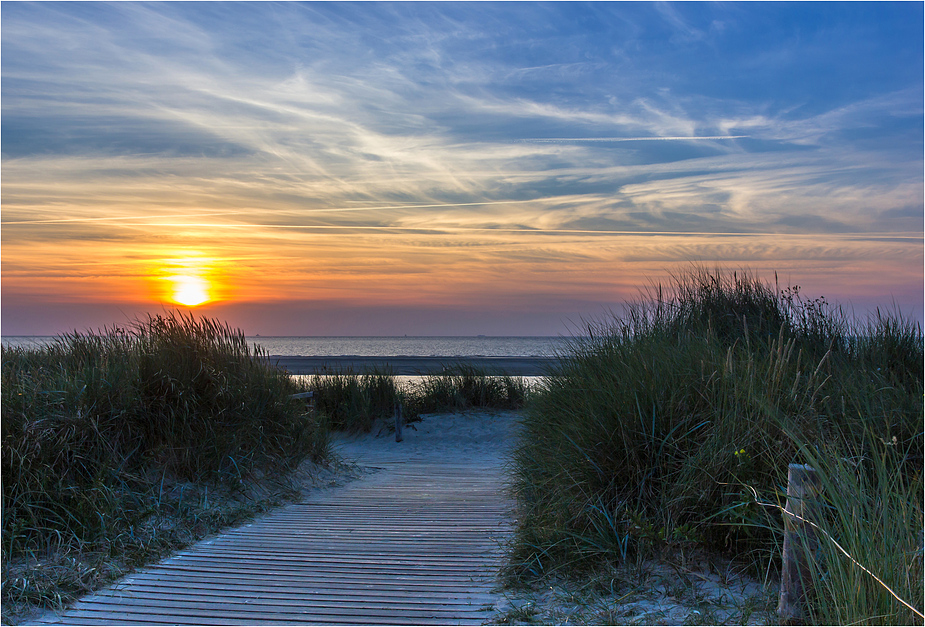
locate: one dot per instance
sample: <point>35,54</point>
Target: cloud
<point>565,140</point>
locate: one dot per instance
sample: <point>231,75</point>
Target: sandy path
<point>471,438</point>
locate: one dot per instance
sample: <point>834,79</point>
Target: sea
<point>406,346</point>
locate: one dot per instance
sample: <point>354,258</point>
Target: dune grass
<point>108,435</point>
<point>675,424</point>
<point>354,402</point>
<point>464,387</point>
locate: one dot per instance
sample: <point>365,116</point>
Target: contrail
<point>119,218</point>
<point>239,212</point>
<point>552,140</point>
<point>445,204</point>
<point>525,231</point>
<point>433,229</point>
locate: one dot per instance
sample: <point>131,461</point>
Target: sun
<point>190,290</point>
<point>187,278</point>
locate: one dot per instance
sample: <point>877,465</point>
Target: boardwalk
<point>417,541</point>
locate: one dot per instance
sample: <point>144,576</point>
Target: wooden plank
<point>340,589</point>
<point>367,560</point>
<point>302,577</point>
<point>354,574</point>
<point>263,608</point>
<point>320,596</point>
<point>262,556</point>
<point>181,589</point>
<point>92,618</point>
<point>412,570</point>
<point>431,581</point>
<point>131,615</point>
<point>322,585</point>
<point>307,613</point>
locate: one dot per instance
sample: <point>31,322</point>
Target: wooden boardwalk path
<point>418,541</point>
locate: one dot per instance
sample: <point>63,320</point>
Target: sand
<point>469,437</point>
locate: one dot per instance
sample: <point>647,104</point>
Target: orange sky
<point>135,263</point>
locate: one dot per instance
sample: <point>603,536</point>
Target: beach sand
<point>476,437</point>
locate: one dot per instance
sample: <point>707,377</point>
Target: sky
<point>450,168</point>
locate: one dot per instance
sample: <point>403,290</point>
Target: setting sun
<point>187,277</point>
<point>190,290</point>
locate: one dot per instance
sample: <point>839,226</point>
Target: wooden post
<point>398,423</point>
<point>800,543</point>
<point>308,397</point>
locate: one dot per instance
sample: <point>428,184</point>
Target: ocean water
<point>481,346</point>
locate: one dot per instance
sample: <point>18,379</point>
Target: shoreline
<point>404,365</point>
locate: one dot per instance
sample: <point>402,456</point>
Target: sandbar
<point>402,365</point>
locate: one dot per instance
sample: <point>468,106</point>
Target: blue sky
<point>380,168</point>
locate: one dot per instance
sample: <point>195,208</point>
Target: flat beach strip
<point>513,366</point>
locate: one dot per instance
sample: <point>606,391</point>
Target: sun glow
<point>187,278</point>
<point>190,290</point>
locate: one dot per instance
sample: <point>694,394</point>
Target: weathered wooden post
<point>398,423</point>
<point>308,397</point>
<point>801,542</point>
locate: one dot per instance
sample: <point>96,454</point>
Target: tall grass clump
<point>871,528</point>
<point>353,402</point>
<point>94,424</point>
<point>464,387</point>
<point>676,422</point>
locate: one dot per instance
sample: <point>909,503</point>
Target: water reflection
<point>409,381</point>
